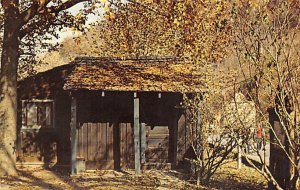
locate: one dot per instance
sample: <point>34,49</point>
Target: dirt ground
<point>228,177</point>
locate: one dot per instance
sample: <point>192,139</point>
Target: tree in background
<point>267,45</point>
<point>196,32</point>
<point>26,23</point>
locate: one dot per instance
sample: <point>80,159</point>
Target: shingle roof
<point>165,74</point>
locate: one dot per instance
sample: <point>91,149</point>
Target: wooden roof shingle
<point>165,74</point>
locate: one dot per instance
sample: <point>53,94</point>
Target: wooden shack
<point>106,113</point>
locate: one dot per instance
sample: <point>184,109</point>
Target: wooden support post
<point>137,152</point>
<point>73,126</point>
<point>199,144</point>
<point>143,143</point>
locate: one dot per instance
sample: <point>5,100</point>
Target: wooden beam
<point>137,152</point>
<point>199,144</point>
<point>73,126</point>
<point>143,143</point>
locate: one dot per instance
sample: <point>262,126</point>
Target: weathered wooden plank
<point>84,142</point>
<point>136,131</point>
<point>122,145</point>
<point>130,140</point>
<point>73,126</point>
<point>110,142</point>
<point>130,148</point>
<point>181,137</point>
<point>157,136</point>
<point>157,144</point>
<point>199,141</point>
<point>94,140</point>
<point>88,138</point>
<point>103,142</point>
<point>159,130</point>
<point>79,141</point>
<point>98,141</point>
<point>143,143</point>
<point>174,139</point>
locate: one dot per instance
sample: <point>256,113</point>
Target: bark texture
<point>8,82</point>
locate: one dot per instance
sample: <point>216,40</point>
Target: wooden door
<point>106,145</point>
<point>95,145</point>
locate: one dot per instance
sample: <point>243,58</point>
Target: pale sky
<point>67,32</point>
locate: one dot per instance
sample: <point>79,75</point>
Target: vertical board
<point>74,135</point>
<point>182,143</point>
<point>126,145</point>
<point>98,142</point>
<point>143,143</point>
<point>136,133</point>
<point>158,144</point>
<point>95,142</point>
<point>130,147</point>
<point>110,142</point>
<point>102,141</point>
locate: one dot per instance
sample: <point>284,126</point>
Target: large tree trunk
<point>279,162</point>
<point>283,170</point>
<point>293,173</point>
<point>8,90</point>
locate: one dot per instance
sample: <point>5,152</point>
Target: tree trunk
<point>293,172</point>
<point>283,170</point>
<point>8,91</point>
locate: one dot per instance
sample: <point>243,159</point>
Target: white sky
<point>67,32</point>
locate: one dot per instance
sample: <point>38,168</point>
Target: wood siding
<point>126,145</point>
<point>95,145</point>
<point>157,139</point>
<point>100,147</point>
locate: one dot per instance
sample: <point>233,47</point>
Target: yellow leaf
<point>176,21</point>
<point>111,15</point>
<point>106,9</point>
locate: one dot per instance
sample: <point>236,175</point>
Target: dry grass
<point>228,177</point>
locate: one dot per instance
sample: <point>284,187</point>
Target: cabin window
<point>37,114</point>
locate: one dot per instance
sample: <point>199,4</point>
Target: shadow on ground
<point>228,177</point>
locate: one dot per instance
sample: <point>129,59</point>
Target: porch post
<point>73,135</point>
<point>136,123</point>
